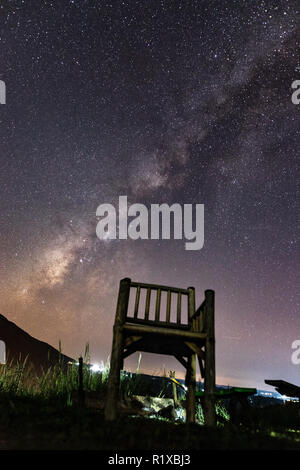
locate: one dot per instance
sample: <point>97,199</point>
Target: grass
<point>42,412</point>
<point>33,424</point>
<point>58,382</point>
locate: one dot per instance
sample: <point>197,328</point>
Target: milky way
<point>186,102</point>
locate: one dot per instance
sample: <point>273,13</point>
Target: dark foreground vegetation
<point>45,413</point>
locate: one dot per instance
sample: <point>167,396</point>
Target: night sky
<point>162,101</point>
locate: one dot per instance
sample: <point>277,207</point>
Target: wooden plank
<point>201,367</point>
<point>191,304</point>
<point>116,362</point>
<point>199,322</point>
<point>199,309</point>
<point>181,360</point>
<point>133,347</point>
<point>190,382</point>
<point>195,349</point>
<point>130,340</point>
<point>174,388</point>
<point>162,323</point>
<point>157,287</point>
<point>179,308</point>
<point>168,314</point>
<point>137,301</point>
<point>147,307</point>
<point>199,317</point>
<point>157,306</point>
<point>164,331</point>
<point>196,324</point>
<point>210,370</point>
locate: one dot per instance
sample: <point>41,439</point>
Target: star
<point>183,103</point>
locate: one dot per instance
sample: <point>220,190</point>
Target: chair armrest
<point>199,310</point>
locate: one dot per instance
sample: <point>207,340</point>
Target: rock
<point>150,406</point>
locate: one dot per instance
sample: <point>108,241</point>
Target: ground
<point>38,424</point>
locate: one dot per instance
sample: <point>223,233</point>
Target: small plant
<point>59,382</point>
<point>221,412</point>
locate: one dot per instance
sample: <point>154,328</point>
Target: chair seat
<point>180,334</point>
<point>163,340</point>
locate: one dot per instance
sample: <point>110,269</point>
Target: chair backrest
<point>160,305</point>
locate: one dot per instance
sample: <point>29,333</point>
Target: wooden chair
<point>185,338</point>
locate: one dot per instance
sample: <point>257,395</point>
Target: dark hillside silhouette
<point>20,344</point>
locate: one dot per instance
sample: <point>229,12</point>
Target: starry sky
<point>162,101</point>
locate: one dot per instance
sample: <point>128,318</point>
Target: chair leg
<point>210,366</point>
<point>116,361</point>
<point>209,386</point>
<point>191,385</point>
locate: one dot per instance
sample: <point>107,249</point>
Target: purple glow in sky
<point>164,102</point>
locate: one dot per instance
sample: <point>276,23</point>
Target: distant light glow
<point>96,368</point>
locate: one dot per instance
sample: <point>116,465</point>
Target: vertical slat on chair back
<point>137,301</point>
<point>147,308</point>
<point>157,305</point>
<point>154,294</point>
<point>198,323</point>
<point>191,304</point>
